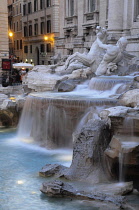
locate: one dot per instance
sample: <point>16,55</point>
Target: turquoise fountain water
<point>19,180</point>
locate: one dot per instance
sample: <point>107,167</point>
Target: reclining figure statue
<point>114,54</point>
<point>94,56</point>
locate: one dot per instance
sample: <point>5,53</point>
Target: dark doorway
<point>37,56</point>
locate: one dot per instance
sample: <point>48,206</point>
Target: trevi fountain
<point>78,128</point>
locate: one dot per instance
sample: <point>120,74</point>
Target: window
<point>42,48</point>
<point>25,31</point>
<point>20,24</point>
<point>30,30</point>
<point>42,27</point>
<point>70,7</point>
<point>91,5</point>
<point>48,26</point>
<point>35,5</point>
<point>24,9</point>
<point>29,8</point>
<point>17,42</point>
<point>136,9</point>
<point>41,4</point>
<point>17,9</point>
<point>48,47</point>
<point>107,9</point>
<point>30,48</point>
<point>17,26</point>
<point>21,44</point>
<point>13,11</point>
<point>14,45</point>
<point>25,49</point>
<point>36,29</point>
<point>48,3</point>
<point>14,27</point>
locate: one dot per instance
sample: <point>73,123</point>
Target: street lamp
<point>49,38</point>
<point>10,34</point>
<point>11,47</point>
<point>46,38</point>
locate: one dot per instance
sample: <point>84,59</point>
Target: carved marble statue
<point>114,54</point>
<point>94,56</point>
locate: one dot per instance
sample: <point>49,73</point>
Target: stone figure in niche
<point>114,54</point>
<point>93,57</point>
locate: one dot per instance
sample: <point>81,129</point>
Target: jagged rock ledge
<point>110,193</point>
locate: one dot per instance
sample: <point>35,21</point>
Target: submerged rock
<point>51,170</point>
<point>106,192</point>
<point>66,86</point>
<point>57,188</point>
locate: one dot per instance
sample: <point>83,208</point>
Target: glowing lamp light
<point>13,99</point>
<point>10,34</point>
<point>45,38</point>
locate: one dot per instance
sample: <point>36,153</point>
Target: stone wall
<point>4,48</point>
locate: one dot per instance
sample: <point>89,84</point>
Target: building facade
<point>51,27</point>
<point>80,18</point>
<point>15,29</point>
<point>4,46</point>
<point>40,24</point>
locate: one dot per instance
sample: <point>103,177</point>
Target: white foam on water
<point>30,145</point>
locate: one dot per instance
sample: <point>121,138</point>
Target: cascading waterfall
<point>50,118</point>
<point>121,173</point>
<point>114,85</point>
<point>128,141</point>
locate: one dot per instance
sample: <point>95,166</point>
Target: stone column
<point>4,46</point>
<point>115,16</point>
